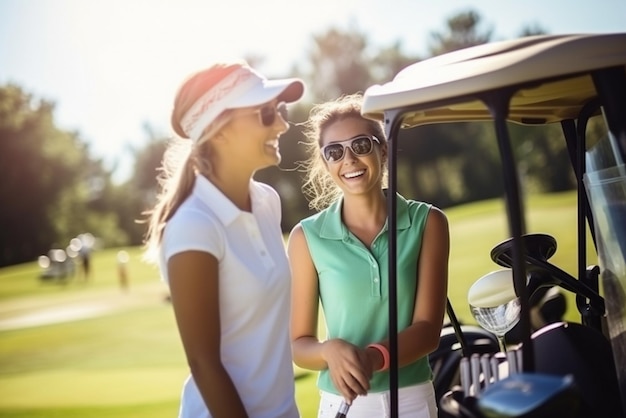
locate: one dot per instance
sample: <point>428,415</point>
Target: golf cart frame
<point>536,80</point>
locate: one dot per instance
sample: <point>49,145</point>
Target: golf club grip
<point>343,410</point>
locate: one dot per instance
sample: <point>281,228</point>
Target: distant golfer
<point>84,252</point>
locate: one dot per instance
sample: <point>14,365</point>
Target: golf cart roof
<point>550,74</point>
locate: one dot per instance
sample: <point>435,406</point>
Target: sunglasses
<point>360,146</point>
<point>268,113</point>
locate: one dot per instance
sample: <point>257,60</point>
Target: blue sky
<point>113,66</point>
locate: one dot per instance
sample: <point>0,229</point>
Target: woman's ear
<point>220,137</point>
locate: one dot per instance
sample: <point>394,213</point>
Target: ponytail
<point>176,182</point>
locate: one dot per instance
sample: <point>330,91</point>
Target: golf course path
<point>37,311</point>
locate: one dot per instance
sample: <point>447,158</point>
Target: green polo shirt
<point>354,283</point>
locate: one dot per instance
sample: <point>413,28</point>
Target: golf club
<point>343,410</point>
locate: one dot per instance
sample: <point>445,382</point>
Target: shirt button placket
<point>259,245</point>
<point>374,274</point>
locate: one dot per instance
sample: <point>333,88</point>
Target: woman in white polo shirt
<point>216,235</point>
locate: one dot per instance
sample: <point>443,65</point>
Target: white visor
<point>244,87</point>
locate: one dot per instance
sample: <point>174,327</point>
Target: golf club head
<point>454,404</point>
<point>531,395</point>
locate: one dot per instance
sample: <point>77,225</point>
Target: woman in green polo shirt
<point>338,259</point>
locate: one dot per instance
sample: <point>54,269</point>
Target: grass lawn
<point>128,361</point>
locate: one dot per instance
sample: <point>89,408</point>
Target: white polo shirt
<point>254,286</point>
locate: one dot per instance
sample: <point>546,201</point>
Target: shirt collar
<point>334,228</point>
<point>221,205</point>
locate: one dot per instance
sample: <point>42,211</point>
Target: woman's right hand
<point>349,367</point>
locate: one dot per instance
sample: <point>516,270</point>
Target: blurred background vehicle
<point>57,265</point>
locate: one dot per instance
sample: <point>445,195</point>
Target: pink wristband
<point>383,350</point>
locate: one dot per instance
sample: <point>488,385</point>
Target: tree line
<point>52,188</point>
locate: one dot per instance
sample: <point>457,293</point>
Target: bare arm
<point>349,371</point>
<point>305,344</point>
<point>194,288</point>
<point>422,336</point>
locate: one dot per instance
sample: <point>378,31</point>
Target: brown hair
<point>182,159</point>
<point>319,187</point>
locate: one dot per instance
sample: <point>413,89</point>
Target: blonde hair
<point>183,160</point>
<point>319,187</point>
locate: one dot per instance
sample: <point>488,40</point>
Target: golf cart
<point>564,369</point>
<point>57,266</point>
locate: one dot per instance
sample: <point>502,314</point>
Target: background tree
<point>462,31</point>
<point>138,194</point>
<point>338,64</point>
<point>50,184</point>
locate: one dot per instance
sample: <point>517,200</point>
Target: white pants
<point>413,401</point>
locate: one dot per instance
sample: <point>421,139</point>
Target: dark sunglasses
<point>360,146</point>
<point>269,111</point>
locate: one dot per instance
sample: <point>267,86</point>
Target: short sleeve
<point>193,230</point>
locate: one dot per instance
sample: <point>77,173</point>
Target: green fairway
<point>123,358</point>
